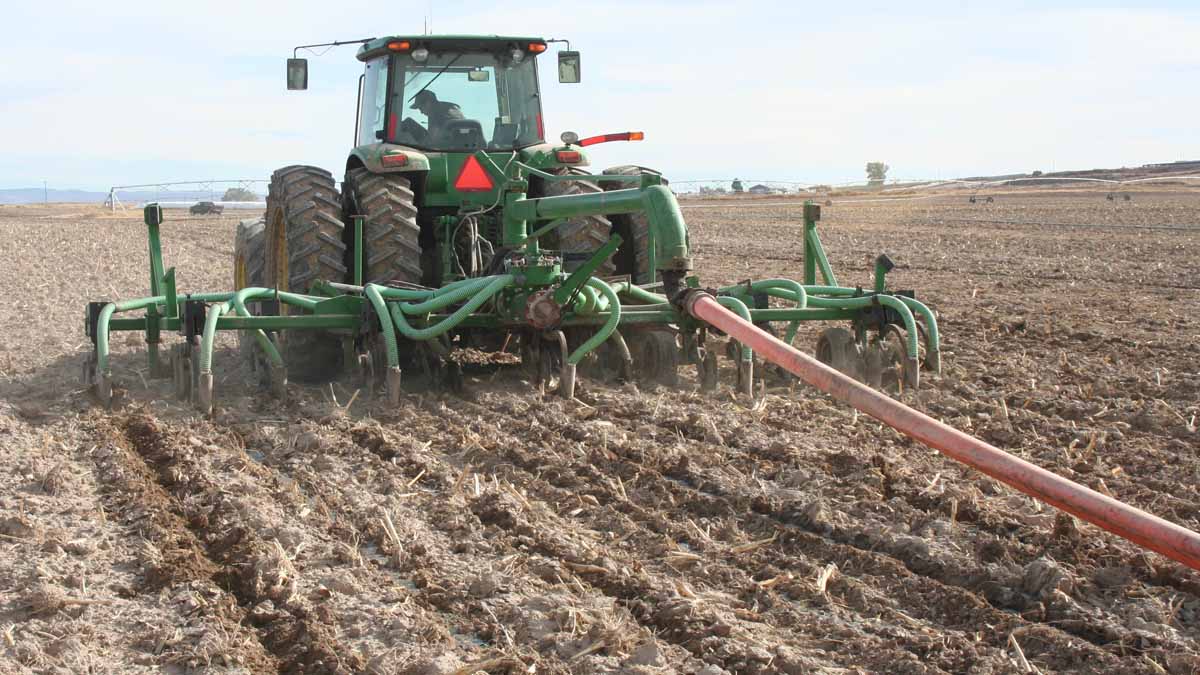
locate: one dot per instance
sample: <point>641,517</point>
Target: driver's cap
<point>424,96</point>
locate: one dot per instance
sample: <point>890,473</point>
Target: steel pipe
<point>1144,529</point>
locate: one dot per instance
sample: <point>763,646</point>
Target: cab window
<point>465,101</point>
<point>374,102</point>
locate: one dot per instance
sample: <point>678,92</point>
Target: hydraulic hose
<point>1135,525</point>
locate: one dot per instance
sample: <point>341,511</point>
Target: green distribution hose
<point>740,308</point>
<point>614,318</point>
<point>105,317</point>
<point>375,297</point>
<point>589,301</point>
<point>411,295</point>
<point>768,285</point>
<point>494,285</point>
<point>638,293</point>
<point>238,303</point>
<point>443,300</point>
<point>846,300</point>
<point>210,332</point>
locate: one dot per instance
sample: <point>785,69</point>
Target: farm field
<point>645,529</point>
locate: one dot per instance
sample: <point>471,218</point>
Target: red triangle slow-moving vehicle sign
<point>472,177</point>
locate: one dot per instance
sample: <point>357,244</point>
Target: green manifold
<point>470,230</point>
<point>532,297</point>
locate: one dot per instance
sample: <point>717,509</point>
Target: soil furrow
<point>171,553</point>
<point>256,570</point>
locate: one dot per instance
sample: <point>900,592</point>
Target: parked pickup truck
<point>205,208</point>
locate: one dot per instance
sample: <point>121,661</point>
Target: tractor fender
<point>543,156</point>
<point>371,157</point>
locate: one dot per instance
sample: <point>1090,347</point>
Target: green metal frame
<point>498,302</point>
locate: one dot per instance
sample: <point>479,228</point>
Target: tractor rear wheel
<point>579,237</point>
<point>634,256</point>
<point>391,237</point>
<point>304,241</point>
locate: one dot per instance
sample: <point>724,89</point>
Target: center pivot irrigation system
<point>445,240</point>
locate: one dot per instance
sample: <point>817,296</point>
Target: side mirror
<point>297,74</point>
<point>568,67</point>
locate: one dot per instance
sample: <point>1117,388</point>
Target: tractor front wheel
<point>249,270</point>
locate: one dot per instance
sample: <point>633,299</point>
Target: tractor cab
<point>451,94</point>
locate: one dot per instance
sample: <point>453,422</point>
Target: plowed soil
<point>640,529</point>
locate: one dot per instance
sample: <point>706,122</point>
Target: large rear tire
<point>579,237</point>
<point>634,257</point>
<point>304,243</point>
<point>392,236</point>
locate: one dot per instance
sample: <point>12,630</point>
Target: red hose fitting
<point>1135,525</point>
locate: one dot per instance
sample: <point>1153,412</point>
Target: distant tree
<point>876,174</point>
<point>238,194</point>
<point>1036,174</point>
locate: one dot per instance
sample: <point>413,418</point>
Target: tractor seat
<point>463,135</point>
<point>504,134</point>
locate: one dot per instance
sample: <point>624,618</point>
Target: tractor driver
<point>438,112</point>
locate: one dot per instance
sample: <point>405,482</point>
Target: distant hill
<point>1162,170</point>
<point>35,196</point>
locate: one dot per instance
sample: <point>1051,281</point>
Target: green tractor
<point>460,234</point>
<point>432,214</point>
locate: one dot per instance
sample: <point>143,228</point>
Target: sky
<point>123,92</point>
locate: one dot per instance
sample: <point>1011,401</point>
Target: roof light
<point>568,156</point>
<point>400,46</point>
<point>394,159</point>
<point>472,177</point>
<point>420,54</point>
<point>518,55</point>
<point>537,47</point>
<point>605,138</point>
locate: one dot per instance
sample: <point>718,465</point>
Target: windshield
<point>465,101</point>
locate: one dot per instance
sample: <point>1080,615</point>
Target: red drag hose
<point>1137,526</point>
